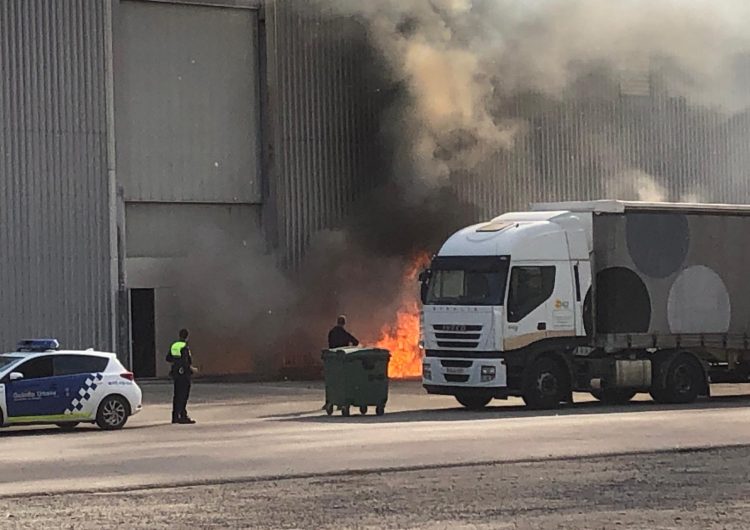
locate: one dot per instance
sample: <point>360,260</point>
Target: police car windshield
<point>7,360</point>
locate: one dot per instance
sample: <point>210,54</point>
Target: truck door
<point>541,303</point>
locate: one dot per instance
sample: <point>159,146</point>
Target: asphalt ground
<point>266,456</point>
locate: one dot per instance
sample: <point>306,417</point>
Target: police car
<point>41,384</point>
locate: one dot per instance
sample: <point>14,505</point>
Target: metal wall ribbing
<point>608,143</point>
<point>323,108</point>
<point>604,138</point>
<point>653,147</point>
<point>55,275</point>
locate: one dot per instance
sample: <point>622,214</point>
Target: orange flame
<point>401,337</point>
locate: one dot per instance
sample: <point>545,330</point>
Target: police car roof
<point>60,352</point>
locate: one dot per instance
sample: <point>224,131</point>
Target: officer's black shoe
<point>175,419</point>
<point>186,420</point>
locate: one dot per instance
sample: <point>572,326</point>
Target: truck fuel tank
<point>632,373</point>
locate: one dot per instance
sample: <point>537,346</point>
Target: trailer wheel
<point>614,396</point>
<point>547,385</point>
<point>473,401</point>
<point>683,382</point>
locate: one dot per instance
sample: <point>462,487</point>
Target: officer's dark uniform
<point>338,337</point>
<point>181,372</point>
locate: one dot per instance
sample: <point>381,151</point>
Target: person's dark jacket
<point>338,337</point>
<point>181,366</point>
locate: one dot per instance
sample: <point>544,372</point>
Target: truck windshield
<point>470,280</point>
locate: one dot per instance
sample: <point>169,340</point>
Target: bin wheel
<point>329,408</point>
<point>380,410</point>
<point>363,410</point>
<point>345,411</point>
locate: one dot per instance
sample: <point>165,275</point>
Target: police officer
<point>338,337</point>
<point>182,370</point>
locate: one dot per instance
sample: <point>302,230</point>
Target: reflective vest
<point>176,349</point>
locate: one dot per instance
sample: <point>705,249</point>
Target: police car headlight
<point>488,373</point>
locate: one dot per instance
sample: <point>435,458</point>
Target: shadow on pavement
<point>44,430</point>
<point>511,412</point>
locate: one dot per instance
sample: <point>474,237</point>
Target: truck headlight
<point>426,371</point>
<point>488,373</point>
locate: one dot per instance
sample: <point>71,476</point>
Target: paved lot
<point>702,490</point>
<point>272,442</point>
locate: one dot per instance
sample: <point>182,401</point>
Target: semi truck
<point>607,297</point>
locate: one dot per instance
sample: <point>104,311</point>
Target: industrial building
<point>128,126</point>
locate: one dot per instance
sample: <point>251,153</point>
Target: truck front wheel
<point>547,385</point>
<point>473,401</point>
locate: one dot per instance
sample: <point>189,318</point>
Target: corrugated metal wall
<point>187,87</point>
<point>55,274</point>
<point>323,106</point>
<point>323,146</point>
<point>603,139</point>
<point>653,147</point>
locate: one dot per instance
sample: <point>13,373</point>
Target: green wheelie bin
<point>356,377</point>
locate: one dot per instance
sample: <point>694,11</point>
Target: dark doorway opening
<point>143,332</point>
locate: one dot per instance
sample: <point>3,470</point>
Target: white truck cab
<point>607,297</point>
<point>500,287</point>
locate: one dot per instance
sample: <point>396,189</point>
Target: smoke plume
<point>481,84</point>
<point>461,58</point>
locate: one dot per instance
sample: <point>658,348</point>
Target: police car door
<point>32,398</point>
<point>78,379</point>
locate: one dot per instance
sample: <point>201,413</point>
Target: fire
<point>401,337</point>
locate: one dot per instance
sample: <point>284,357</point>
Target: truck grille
<point>461,328</point>
<point>453,378</point>
<point>457,335</point>
<point>456,364</point>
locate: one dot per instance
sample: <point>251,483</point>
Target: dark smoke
<point>253,316</point>
<point>488,92</point>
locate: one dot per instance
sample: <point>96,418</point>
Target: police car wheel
<point>68,426</point>
<point>112,413</point>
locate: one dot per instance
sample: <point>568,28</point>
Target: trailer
<point>608,297</point>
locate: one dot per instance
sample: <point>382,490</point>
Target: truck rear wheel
<point>613,396</point>
<point>547,385</point>
<point>683,382</point>
<point>473,401</point>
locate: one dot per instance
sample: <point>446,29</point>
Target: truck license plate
<point>452,370</point>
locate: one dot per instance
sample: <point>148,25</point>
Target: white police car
<point>40,384</point>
